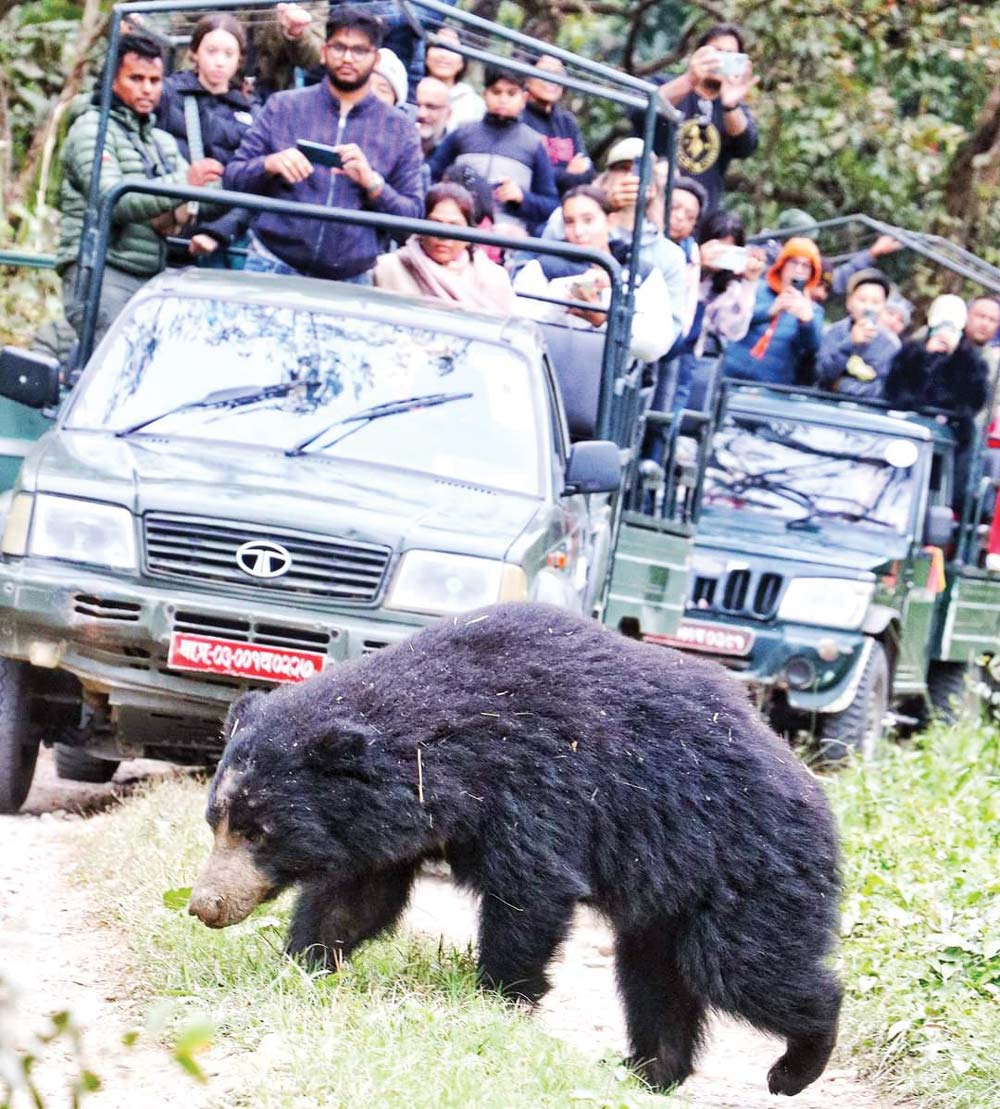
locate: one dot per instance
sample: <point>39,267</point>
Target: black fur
<point>956,382</point>
<point>558,763</point>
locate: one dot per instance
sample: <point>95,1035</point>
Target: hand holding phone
<point>290,164</point>
<point>320,153</point>
<point>731,65</point>
<point>732,258</point>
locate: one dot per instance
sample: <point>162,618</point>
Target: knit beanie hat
<point>898,303</point>
<point>393,70</point>
<point>797,247</point>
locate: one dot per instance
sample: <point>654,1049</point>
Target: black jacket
<point>956,383</point>
<point>224,120</point>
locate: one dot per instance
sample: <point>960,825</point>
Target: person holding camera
<point>717,126</point>
<point>786,325</point>
<point>373,161</point>
<point>586,210</point>
<point>856,352</point>
<point>943,371</point>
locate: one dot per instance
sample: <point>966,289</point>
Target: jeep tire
<point>78,765</point>
<point>18,743</point>
<point>860,728</point>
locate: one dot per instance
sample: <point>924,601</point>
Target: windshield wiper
<point>377,411</point>
<point>220,398</point>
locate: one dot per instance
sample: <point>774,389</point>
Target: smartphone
<point>734,259</point>
<point>871,315</point>
<point>320,154</point>
<point>731,64</point>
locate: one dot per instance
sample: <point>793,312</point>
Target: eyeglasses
<point>338,50</point>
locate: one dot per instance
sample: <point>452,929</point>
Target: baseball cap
<point>868,276</point>
<point>625,150</point>
<point>947,310</point>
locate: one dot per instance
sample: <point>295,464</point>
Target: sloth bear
<point>551,762</point>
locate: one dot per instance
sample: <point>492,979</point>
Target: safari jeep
<point>829,572</point>
<point>256,477</point>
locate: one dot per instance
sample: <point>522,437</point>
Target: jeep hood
<point>839,545</point>
<point>370,504</point>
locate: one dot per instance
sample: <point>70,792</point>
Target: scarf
<point>462,282</point>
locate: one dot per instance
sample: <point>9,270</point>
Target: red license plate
<point>714,639</point>
<point>208,655</point>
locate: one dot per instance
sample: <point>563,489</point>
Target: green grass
<point>402,1026</point>
<point>921,952</point>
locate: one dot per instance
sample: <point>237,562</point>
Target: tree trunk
<point>976,163</point>
<point>92,27</point>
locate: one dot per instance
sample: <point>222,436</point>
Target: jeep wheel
<point>947,688</point>
<point>18,747</point>
<point>861,726</point>
<point>78,765</point>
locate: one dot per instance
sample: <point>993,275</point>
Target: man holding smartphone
<point>717,125</point>
<point>857,351</point>
<point>366,155</point>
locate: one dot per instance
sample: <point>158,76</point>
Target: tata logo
<point>263,559</point>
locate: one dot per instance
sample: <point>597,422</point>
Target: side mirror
<point>939,525</point>
<point>30,378</point>
<point>594,466</point>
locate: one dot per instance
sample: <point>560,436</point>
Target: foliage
<point>921,917</point>
<point>18,1067</point>
<point>862,106</point>
<point>402,1024</point>
<point>28,296</point>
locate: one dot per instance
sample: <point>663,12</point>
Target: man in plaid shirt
<point>379,151</point>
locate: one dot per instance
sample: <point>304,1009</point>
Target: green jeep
<point>257,477</point>
<point>829,572</point>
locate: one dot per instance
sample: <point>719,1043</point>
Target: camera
<point>799,283</point>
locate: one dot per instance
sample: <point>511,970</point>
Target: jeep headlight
<point>83,531</point>
<point>16,524</point>
<point>437,583</point>
<point>829,602</point>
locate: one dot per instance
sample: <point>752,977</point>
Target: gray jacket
<point>847,367</point>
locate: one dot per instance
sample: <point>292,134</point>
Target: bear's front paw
<point>781,1080</point>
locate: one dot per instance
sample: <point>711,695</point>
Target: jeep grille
<point>205,550</point>
<point>743,592</point>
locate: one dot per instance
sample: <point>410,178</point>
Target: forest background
<point>887,108</point>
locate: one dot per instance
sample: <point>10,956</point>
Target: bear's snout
<point>230,886</point>
<point>208,908</point>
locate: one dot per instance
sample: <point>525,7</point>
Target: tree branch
<point>92,27</point>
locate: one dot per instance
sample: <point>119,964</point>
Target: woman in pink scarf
<point>445,268</point>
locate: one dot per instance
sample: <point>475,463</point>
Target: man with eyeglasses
<point>433,113</point>
<point>377,148</point>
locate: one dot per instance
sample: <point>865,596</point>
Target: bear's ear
<point>343,750</point>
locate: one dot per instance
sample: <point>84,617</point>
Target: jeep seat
<point>576,354</point>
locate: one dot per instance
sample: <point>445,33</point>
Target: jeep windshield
<point>810,475</point>
<point>274,378</point>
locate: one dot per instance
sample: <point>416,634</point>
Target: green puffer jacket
<point>134,148</point>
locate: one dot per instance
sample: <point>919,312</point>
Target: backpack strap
<point>196,144</point>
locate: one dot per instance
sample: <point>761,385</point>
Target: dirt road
<point>63,958</point>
